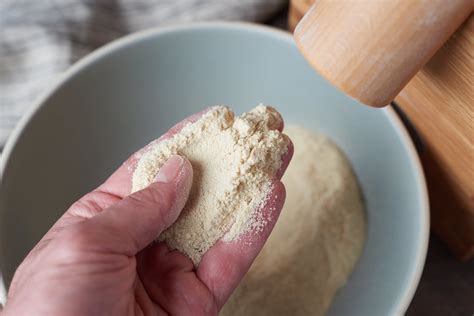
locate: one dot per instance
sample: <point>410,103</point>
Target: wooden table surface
<point>447,285</point>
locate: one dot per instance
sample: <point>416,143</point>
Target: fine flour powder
<point>316,241</point>
<point>234,159</point>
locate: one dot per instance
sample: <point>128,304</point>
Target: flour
<point>234,160</point>
<point>316,241</point>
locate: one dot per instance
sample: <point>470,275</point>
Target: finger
<point>225,263</point>
<point>115,188</point>
<point>280,123</point>
<point>168,277</point>
<point>120,182</point>
<point>138,219</point>
<point>285,159</point>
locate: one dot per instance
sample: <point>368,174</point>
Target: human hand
<point>100,257</point>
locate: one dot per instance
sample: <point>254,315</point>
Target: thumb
<point>138,219</point>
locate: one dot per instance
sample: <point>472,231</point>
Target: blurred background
<point>40,39</point>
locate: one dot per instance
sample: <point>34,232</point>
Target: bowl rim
<point>413,280</point>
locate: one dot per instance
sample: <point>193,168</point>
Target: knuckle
<point>92,204</point>
<point>85,206</point>
<point>74,241</point>
<point>155,194</point>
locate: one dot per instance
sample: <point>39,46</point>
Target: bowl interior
<point>132,91</point>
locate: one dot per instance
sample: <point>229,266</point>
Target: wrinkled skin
<point>100,257</point>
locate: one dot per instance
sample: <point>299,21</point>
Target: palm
<point>161,281</point>
<point>171,284</point>
<point>157,280</point>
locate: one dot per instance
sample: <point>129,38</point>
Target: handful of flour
<point>234,160</point>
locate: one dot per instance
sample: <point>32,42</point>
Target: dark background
<point>447,285</point>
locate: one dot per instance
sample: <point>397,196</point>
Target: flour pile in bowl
<point>316,241</point>
<point>234,160</point>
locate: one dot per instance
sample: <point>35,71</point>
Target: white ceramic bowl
<point>129,92</point>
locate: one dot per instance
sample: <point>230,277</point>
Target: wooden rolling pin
<point>439,100</point>
<point>371,49</point>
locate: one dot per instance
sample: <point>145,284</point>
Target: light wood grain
<point>371,49</point>
<point>439,101</point>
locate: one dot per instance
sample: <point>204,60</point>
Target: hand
<point>100,257</point>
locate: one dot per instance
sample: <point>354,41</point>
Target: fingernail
<point>170,170</point>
